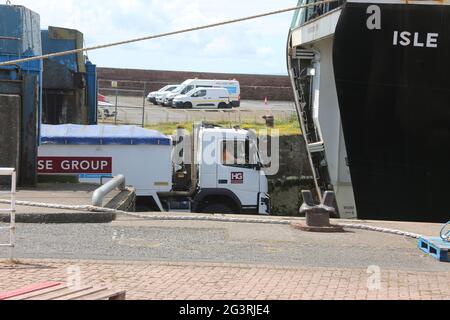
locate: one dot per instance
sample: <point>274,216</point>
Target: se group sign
<point>74,165</point>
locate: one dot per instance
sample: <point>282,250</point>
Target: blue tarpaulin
<point>69,134</point>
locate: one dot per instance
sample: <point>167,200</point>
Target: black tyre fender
<point>187,105</point>
<point>208,197</point>
<point>217,208</point>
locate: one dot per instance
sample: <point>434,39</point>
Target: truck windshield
<point>239,153</point>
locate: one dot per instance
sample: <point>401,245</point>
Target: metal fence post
<point>143,105</point>
<point>12,211</point>
<point>13,216</point>
<point>117,97</point>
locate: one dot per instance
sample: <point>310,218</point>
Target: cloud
<point>257,46</point>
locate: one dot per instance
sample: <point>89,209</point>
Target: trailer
<point>212,170</point>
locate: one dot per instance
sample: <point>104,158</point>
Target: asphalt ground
<point>168,241</point>
<point>246,105</point>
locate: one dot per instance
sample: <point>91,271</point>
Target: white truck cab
<point>230,175</point>
<point>232,86</point>
<point>203,98</point>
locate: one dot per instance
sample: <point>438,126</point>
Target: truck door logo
<point>237,178</point>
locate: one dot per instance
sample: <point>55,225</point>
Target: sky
<point>257,46</point>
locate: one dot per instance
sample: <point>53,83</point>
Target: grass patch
<point>286,127</point>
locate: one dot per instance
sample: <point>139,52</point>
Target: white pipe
<point>13,216</point>
<point>12,226</point>
<point>100,193</point>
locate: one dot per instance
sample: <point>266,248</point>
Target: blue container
<point>59,45</point>
<point>20,36</point>
<point>92,91</point>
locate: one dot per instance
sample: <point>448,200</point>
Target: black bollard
<point>318,216</point>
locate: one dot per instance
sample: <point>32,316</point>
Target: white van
<point>203,98</point>
<point>162,95</point>
<point>232,86</point>
<point>154,96</point>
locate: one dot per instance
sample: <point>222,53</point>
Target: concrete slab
<point>64,194</point>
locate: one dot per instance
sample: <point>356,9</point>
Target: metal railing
<point>305,15</point>
<point>100,194</point>
<point>12,210</point>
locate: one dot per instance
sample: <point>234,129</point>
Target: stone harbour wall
<point>294,176</point>
<point>253,87</point>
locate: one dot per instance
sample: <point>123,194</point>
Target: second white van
<point>232,86</point>
<point>203,98</point>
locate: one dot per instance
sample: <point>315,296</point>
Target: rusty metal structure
<point>69,82</point>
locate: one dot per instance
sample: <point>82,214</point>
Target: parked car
<point>160,98</point>
<point>105,109</point>
<point>153,96</point>
<point>204,98</point>
<point>232,86</point>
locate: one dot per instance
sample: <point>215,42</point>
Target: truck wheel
<point>217,208</point>
<point>223,105</point>
<point>187,105</point>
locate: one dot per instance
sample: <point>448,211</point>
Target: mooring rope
<point>161,35</point>
<point>88,208</point>
<point>203,218</point>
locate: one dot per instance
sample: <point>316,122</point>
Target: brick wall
<point>253,87</point>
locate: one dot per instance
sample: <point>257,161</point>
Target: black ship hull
<point>392,69</point>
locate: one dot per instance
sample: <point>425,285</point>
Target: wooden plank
<point>29,289</point>
<point>59,293</point>
<point>38,293</point>
<point>80,294</point>
<point>107,295</point>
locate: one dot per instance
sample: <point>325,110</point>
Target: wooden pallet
<point>57,291</point>
<point>435,247</point>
